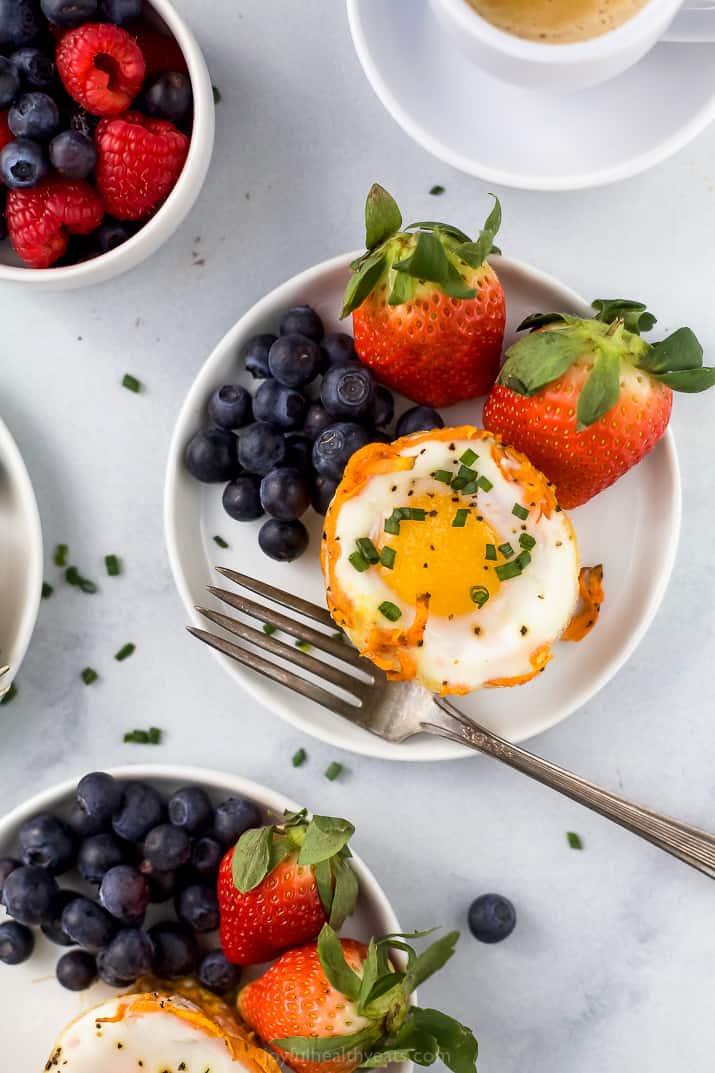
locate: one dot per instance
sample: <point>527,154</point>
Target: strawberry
<point>587,399</point>
<point>101,66</point>
<point>337,1004</point>
<point>428,311</point>
<point>281,883</point>
<point>139,160</point>
<point>40,220</point>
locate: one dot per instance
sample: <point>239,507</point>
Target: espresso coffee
<point>556,22</point>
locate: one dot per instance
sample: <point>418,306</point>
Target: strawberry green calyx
<point>320,843</point>
<point>396,1031</point>
<point>606,342</point>
<point>425,251</point>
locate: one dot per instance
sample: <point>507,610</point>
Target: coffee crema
<point>556,22</point>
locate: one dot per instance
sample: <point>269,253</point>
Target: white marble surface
<point>610,967</point>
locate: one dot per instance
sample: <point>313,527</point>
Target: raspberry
<point>139,161</point>
<point>40,220</point>
<point>6,135</point>
<point>161,52</point>
<point>101,66</point>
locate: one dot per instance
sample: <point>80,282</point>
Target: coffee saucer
<point>519,137</point>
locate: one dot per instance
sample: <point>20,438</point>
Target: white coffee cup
<point>579,64</point>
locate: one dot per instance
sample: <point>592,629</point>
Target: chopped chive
<point>125,652</point>
<point>523,559</point>
<point>387,557</point>
<point>368,550</point>
<point>458,483</point>
<point>469,456</point>
<point>61,553</point>
<point>269,629</point>
<point>136,737</point>
<point>86,585</point>
<point>490,553</point>
<point>333,770</point>
<point>390,611</point>
<point>412,514</point>
<point>443,475</point>
<point>299,758</point>
<point>506,550</point>
<point>479,595</point>
<point>216,94</point>
<point>113,565</point>
<point>303,646</point>
<point>485,484</point>
<point>89,675</point>
<point>574,840</point>
<point>154,736</point>
<point>467,473</point>
<point>220,541</point>
<point>392,525</point>
<point>520,512</point>
<point>460,519</point>
<point>508,570</point>
<point>470,488</point>
<point>358,563</point>
<point>9,695</point>
<point>72,575</point>
<point>527,541</point>
<point>436,190</point>
<point>131,383</point>
<point>47,590</point>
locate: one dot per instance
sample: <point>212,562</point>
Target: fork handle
<point>688,844</point>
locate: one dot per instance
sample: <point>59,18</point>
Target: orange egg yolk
<point>447,561</point>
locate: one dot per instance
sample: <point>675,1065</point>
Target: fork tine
<point>270,592</point>
<point>277,674</point>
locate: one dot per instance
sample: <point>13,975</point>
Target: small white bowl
<point>156,231</point>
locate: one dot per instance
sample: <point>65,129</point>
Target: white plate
<point>35,1005</point>
<point>20,557</point>
<point>517,137</point>
<point>642,509</point>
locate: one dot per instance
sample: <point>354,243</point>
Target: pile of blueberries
<point>131,848</point>
<point>294,443</point>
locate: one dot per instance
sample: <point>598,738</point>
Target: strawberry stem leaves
<point>634,315</point>
<point>382,216</point>
<point>252,858</point>
<point>324,837</point>
<point>335,967</point>
<point>681,350</point>
<point>690,381</point>
<point>538,359</point>
<point>363,281</point>
<point>601,390</point>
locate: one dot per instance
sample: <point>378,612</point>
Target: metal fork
<point>360,692</point>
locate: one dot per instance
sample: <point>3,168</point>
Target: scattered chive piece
<point>368,550</point>
<point>460,519</point>
<point>527,541</point>
<point>72,575</point>
<point>392,525</point>
<point>470,488</point>
<point>458,483</point>
<point>412,514</point>
<point>387,557</point>
<point>490,553</point>
<point>467,473</point>
<point>520,512</point>
<point>269,629</point>
<point>113,565</point>
<point>506,550</point>
<point>436,190</point>
<point>303,646</point>
<point>508,570</point>
<point>479,595</point>
<point>442,475</point>
<point>89,675</point>
<point>217,94</point>
<point>390,611</point>
<point>358,563</point>
<point>523,559</point>
<point>10,695</point>
<point>154,736</point>
<point>131,383</point>
<point>333,770</point>
<point>574,840</point>
<point>125,652</point>
<point>485,484</point>
<point>469,456</point>
<point>299,758</point>
<point>220,541</point>
<point>47,590</point>
<point>86,585</point>
<point>339,636</point>
<point>61,553</point>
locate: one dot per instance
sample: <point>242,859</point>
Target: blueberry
<point>197,906</point>
<point>52,928</point>
<point>34,116</point>
<point>285,493</point>
<point>67,13</point>
<point>82,121</point>
<point>418,419</point>
<point>323,492</point>
<point>304,321</point>
<point>162,885</point>
<point>242,498</point>
<point>88,924</point>
<point>29,894</point>
<point>19,22</point>
<point>99,796</point>
<point>211,455</point>
<point>283,541</point>
<point>141,809</point>
<point>120,11</point>
<point>175,950</point>
<point>491,918</point>
<point>130,954</point>
<point>234,816</point>
<point>339,347</point>
<point>108,975</point>
<point>190,808</point>
<point>169,96</point>
<point>7,865</point>
<point>46,842</point>
<point>261,447</point>
<point>111,233</point>
<point>82,825</point>
<point>72,154</point>
<point>16,943</point>
<point>206,856</point>
<point>316,420</point>
<point>348,391</point>
<point>125,894</point>
<point>299,454</point>
<point>22,164</point>
<point>254,355</point>
<point>281,406</point>
<point>230,406</point>
<point>97,855</point>
<point>294,360</point>
<point>335,445</point>
<point>167,847</point>
<point>216,973</point>
<point>77,970</point>
<point>383,407</point>
<point>35,67</point>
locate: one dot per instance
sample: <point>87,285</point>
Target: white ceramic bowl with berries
<point>159,22</point>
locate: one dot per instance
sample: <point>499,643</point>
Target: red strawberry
<point>588,399</point>
<point>281,883</point>
<point>428,311</point>
<point>40,220</point>
<point>101,66</point>
<point>332,1005</point>
<point>139,161</point>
